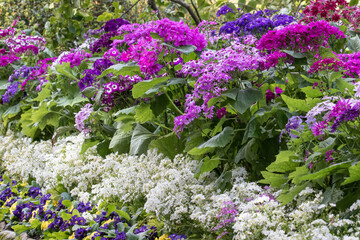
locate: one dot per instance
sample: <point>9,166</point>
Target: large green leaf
<point>141,88</point>
<point>45,116</point>
<point>274,179</point>
<point>120,142</point>
<point>140,140</point>
<point>170,145</point>
<point>288,196</point>
<point>354,174</point>
<point>122,68</point>
<point>283,162</point>
<point>12,111</point>
<point>299,104</point>
<point>219,140</point>
<point>65,69</point>
<point>354,43</point>
<point>183,49</point>
<point>327,171</point>
<point>241,100</point>
<point>143,113</point>
<point>20,228</point>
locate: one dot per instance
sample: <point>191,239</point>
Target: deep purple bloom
<point>221,113</point>
<point>81,233</point>
<point>269,95</point>
<point>224,10</point>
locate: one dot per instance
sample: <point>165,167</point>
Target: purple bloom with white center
<point>177,237</point>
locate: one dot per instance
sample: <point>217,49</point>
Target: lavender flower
<point>81,116</point>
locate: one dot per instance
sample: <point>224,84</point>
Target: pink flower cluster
<point>81,116</point>
<point>7,32</point>
<point>273,59</point>
<point>213,72</point>
<point>26,44</point>
<point>332,11</point>
<point>74,58</point>
<point>326,64</point>
<point>299,37</point>
<point>142,48</point>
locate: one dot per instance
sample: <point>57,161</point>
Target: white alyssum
<point>168,189</point>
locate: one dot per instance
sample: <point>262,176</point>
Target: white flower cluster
<point>306,218</point>
<point>169,189</point>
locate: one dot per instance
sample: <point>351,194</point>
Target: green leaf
<point>65,69</point>
<point>65,216</point>
<point>183,49</point>
<point>12,111</point>
<point>123,214</point>
<point>44,116</point>
<point>219,140</point>
<point>170,145</point>
<point>354,43</point>
<point>89,91</point>
<point>354,172</point>
<point>327,171</point>
<point>143,113</point>
<point>120,142</point>
<point>141,88</point>
<point>243,99</point>
<point>20,228</point>
<point>311,93</point>
<point>44,93</point>
<point>354,2</point>
<point>343,85</point>
<point>71,100</point>
<point>283,162</point>
<point>88,143</point>
<point>326,53</point>
<point>298,104</point>
<point>209,164</point>
<point>121,68</point>
<point>295,54</point>
<point>274,179</point>
<point>288,196</point>
<point>325,145</point>
<point>67,203</point>
<point>140,140</point>
<point>298,173</point>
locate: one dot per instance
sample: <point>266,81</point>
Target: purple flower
<point>224,10</point>
<point>81,233</point>
<point>221,113</point>
<point>269,96</point>
<point>294,123</point>
<point>82,115</point>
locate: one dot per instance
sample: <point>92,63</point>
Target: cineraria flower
<point>213,72</point>
<point>294,123</point>
<point>221,113</point>
<point>224,10</point>
<point>300,38</point>
<point>256,23</point>
<point>326,64</point>
<point>81,116</point>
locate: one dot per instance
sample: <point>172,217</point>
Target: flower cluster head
<point>7,32</point>
<point>81,116</point>
<point>142,48</point>
<point>299,37</point>
<point>112,90</point>
<point>74,58</point>
<point>331,11</point>
<point>256,23</point>
<point>213,72</point>
<point>26,44</point>
<point>294,123</point>
<point>326,64</point>
<point>224,10</point>
<point>351,64</point>
<point>273,59</point>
